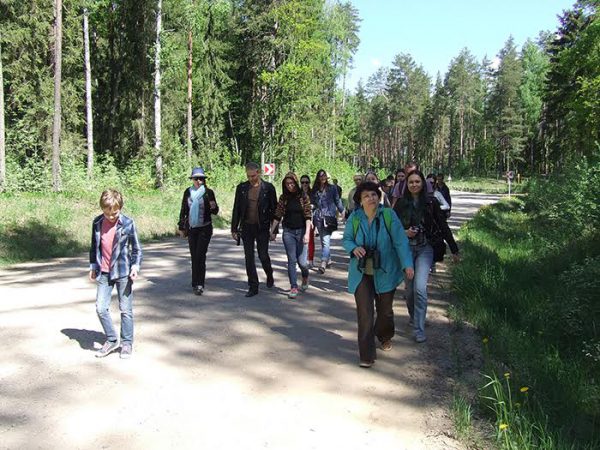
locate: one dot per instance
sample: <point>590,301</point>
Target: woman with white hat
<point>195,222</point>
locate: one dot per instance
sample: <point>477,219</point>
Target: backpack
<point>387,220</point>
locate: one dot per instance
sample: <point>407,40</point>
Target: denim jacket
<point>327,205</point>
<point>127,252</point>
<point>395,254</point>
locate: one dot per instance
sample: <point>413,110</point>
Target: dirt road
<point>218,371</point>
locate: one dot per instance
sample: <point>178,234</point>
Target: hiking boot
<point>126,350</point>
<point>293,293</point>
<point>386,346</point>
<point>328,265</point>
<point>270,281</point>
<point>107,348</point>
<point>198,290</point>
<point>366,364</point>
<point>304,285</point>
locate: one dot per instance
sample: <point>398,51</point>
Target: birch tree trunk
<point>88,96</point>
<point>189,96</point>
<point>56,127</point>
<point>2,134</point>
<point>157,105</point>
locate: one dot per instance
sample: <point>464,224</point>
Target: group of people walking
<point>394,232</point>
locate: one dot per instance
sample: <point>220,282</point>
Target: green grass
<point>462,415</point>
<point>486,185</point>
<point>532,292</point>
<point>36,226</point>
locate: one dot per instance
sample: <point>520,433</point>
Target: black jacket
<point>184,212</point>
<point>267,201</point>
<point>433,222</point>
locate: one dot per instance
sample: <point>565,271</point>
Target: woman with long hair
<point>309,250</point>
<point>379,254</point>
<point>293,209</point>
<point>326,201</point>
<point>426,228</point>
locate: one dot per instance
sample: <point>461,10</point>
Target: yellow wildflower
<point>524,389</point>
<point>485,340</point>
<point>517,405</point>
<point>503,426</point>
<point>507,375</point>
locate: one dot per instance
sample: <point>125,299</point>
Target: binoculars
<point>375,256</point>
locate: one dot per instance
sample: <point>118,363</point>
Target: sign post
<point>269,169</point>
<point>509,176</point>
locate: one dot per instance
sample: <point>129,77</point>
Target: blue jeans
<point>325,237</point>
<point>416,289</point>
<point>103,298</point>
<point>294,248</point>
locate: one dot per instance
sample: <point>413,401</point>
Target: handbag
<point>331,223</point>
<point>437,243</point>
<point>439,249</point>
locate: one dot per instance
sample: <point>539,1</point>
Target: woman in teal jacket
<point>379,253</point>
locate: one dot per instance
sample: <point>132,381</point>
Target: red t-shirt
<point>107,237</point>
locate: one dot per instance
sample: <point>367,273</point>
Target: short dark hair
<point>250,165</point>
<point>366,186</point>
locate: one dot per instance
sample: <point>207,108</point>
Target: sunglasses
<point>305,182</point>
<point>198,179</point>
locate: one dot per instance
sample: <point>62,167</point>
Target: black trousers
<point>198,239</point>
<point>250,234</point>
<point>367,301</point>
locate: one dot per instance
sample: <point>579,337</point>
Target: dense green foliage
<point>268,80</point>
<point>530,281</point>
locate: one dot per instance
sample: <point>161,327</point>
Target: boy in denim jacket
<point>115,258</point>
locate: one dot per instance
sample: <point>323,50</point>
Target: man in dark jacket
<point>253,209</point>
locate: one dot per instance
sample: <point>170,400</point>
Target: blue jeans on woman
<point>125,296</point>
<point>325,237</point>
<point>416,289</point>
<point>293,241</point>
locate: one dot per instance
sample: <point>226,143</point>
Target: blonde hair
<point>111,198</point>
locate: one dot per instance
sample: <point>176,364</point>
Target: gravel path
<point>218,371</point>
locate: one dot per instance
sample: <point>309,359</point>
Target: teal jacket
<point>395,254</point>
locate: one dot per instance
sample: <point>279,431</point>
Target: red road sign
<point>269,169</point>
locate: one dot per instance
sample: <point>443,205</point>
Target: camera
<point>375,256</point>
<point>419,238</point>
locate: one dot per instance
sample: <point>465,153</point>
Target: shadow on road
<point>85,338</point>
